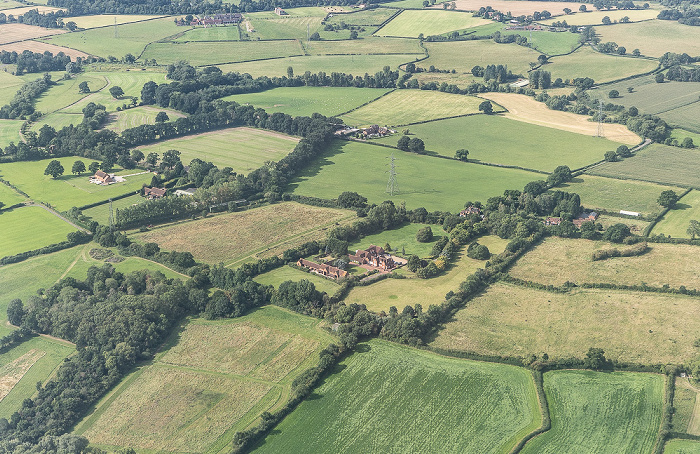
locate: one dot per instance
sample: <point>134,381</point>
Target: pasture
<point>294,101</point>
<point>9,131</point>
<point>211,53</point>
<point>411,23</point>
<point>517,8</point>
<point>679,446</point>
<point>9,85</point>
<point>478,52</point>
<point>243,149</point>
<point>57,120</point>
<point>684,403</point>
<point>11,33</point>
<point>402,107</point>
<point>490,406</point>
<point>194,399</point>
<point>549,43</point>
<point>509,320</point>
<point>131,118</point>
<point>524,145</point>
<point>622,412</point>
<point>287,273</point>
<point>41,47</point>
<point>229,237</point>
<point>675,223</point>
<point>596,17</point>
<point>654,38</point>
<point>671,264</point>
<point>586,62</point>
<point>680,134</point>
<point>687,116</point>
<point>209,34</point>
<point>366,46</point>
<point>66,92</point>
<point>284,27</point>
<point>84,261</point>
<point>525,108</point>
<point>380,296</point>
<point>9,196</point>
<point>27,228</point>
<point>105,20</point>
<point>100,213</point>
<point>365,17</point>
<point>398,238</point>
<point>656,163</point>
<point>424,181</point>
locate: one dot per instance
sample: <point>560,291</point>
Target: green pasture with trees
<point>9,84</point>
<point>596,17</point>
<point>66,92</point>
<point>9,196</point>
<point>28,228</point>
<point>9,132</point>
<point>676,222</point>
<point>287,273</point>
<point>402,241</point>
<point>131,118</point>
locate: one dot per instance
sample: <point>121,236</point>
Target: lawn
<point>131,118</point>
<point>68,190</point>
<point>209,34</point>
<point>500,140</point>
<point>657,163</point>
<point>227,237</point>
<point>596,17</point>
<point>294,101</point>
<point>654,38</point>
<point>586,62</point>
<point>244,149</point>
<point>677,446</point>
<point>490,406</point>
<point>433,183</point>
<point>212,53</point>
<point>412,23</point>
<point>508,320</point>
<point>478,52</point>
<point>402,237</point>
<point>676,221</point>
<point>403,107</point>
<point>672,264</point>
<point>622,412</point>
<point>287,273</point>
<point>400,293</point>
<point>193,399</point>
<point>28,228</point>
<point>9,131</point>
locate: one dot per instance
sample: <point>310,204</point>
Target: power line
<point>111,217</point>
<point>116,30</point>
<point>392,187</point>
<point>599,132</point>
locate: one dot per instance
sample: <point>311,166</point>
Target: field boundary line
<point>58,215</point>
<point>400,10</point>
<point>368,102</point>
<point>678,107</point>
<point>125,23</point>
<point>70,267</point>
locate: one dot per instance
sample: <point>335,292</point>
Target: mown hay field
<point>686,116</point>
<point>105,20</point>
<point>524,145</point>
<point>403,107</point>
<point>9,132</point>
<point>596,17</point>
<point>380,296</point>
<point>411,23</point>
<point>365,46</point>
<point>284,27</point>
<point>131,118</point>
<point>209,34</point>
<point>57,120</point>
<point>9,85</point>
<point>653,38</point>
<point>490,406</point>
<point>672,264</point>
<point>678,446</point>
<point>212,53</point>
<point>11,33</point>
<point>28,228</point>
<point>478,52</point>
<point>227,237</point>
<point>41,47</point>
<point>676,221</point>
<point>509,320</point>
<point>328,101</point>
<point>650,97</point>
<point>402,237</point>
<point>243,149</point>
<point>656,163</point>
<point>622,412</point>
<point>586,62</point>
<point>287,273</point>
<point>516,8</point>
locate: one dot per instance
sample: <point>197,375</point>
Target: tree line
<point>22,104</point>
<point>34,62</point>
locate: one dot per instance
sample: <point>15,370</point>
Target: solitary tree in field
<point>78,168</point>
<point>462,154</point>
<point>613,94</point>
<point>624,151</point>
<point>55,169</point>
<point>659,78</point>
<point>668,199</point>
<point>542,59</point>
<point>84,87</point>
<point>162,117</point>
<point>636,52</point>
<point>582,8</point>
<point>606,20</point>
<point>94,167</point>
<point>567,11</point>
<point>116,92</point>
<point>486,107</point>
<point>290,72</point>
<point>693,229</point>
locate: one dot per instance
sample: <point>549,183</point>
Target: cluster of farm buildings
<point>370,132</point>
<point>373,258</point>
<point>578,221</point>
<point>212,21</point>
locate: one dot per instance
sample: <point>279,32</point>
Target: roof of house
<point>158,192</point>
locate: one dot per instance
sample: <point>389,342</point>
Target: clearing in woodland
<point>676,222</point>
<point>586,62</point>
<point>622,412</point>
<point>411,23</point>
<point>510,320</point>
<point>229,237</point>
<point>28,228</point>
<point>491,406</point>
<point>215,378</point>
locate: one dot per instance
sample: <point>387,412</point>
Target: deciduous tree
<point>55,169</point>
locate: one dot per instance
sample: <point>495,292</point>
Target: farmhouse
<point>585,217</point>
<point>469,210</point>
<point>322,269</point>
<point>280,12</point>
<point>217,19</point>
<point>374,256</point>
<point>153,193</point>
<point>101,177</point>
<point>375,131</point>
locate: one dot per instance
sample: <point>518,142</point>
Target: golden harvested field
<point>10,33</point>
<point>12,373</point>
<point>104,20</point>
<point>524,108</point>
<point>647,328</point>
<point>558,260</point>
<point>228,237</point>
<point>596,17</point>
<point>39,47</point>
<point>654,38</point>
<point>516,8</point>
<point>20,11</point>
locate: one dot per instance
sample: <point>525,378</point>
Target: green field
<point>57,120</point>
<point>105,20</point>
<point>686,116</point>
<point>9,132</point>
<point>412,23</point>
<point>206,53</point>
<point>403,107</point>
<point>9,196</point>
<point>244,149</point>
<point>209,34</point>
<point>402,237</point>
<point>367,46</point>
<point>80,267</point>
<point>596,17</point>
<point>100,213</point>
<point>411,401</point>
<point>215,378</point>
<point>130,81</point>
<point>131,118</point>
<point>680,134</point>
<point>132,38</point>
<point>66,92</point>
<point>676,221</point>
<point>380,296</point>
<point>284,27</point>
<point>684,398</point>
<point>328,101</point>
<point>367,17</point>
<point>654,38</point>
<point>28,228</point>
<point>68,190</point>
<point>600,412</point>
<point>586,62</point>
<point>550,43</point>
<point>479,52</point>
<point>682,447</point>
<point>659,164</point>
<point>638,327</point>
<point>311,11</point>
<point>433,183</point>
<point>287,273</point>
<point>9,85</point>
<point>524,145</point>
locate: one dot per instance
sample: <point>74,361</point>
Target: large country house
<point>374,256</point>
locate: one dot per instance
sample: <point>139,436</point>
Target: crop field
<point>209,34</point>
<point>614,195</point>
<point>66,92</point>
<point>374,16</point>
<point>380,296</point>
<point>622,412</point>
<point>524,108</point>
<point>671,264</point>
<point>650,97</point>
<point>27,228</point>
<point>21,11</point>
<point>686,116</point>
<point>654,38</point>
<point>402,237</point>
<point>365,46</point>
<point>9,131</point>
<point>210,53</point>
<point>678,446</point>
<point>596,17</point>
<point>193,399</point>
<point>478,52</point>
<point>68,190</point>
<point>525,145</point>
<point>684,403</point>
<point>411,23</point>
<point>403,107</point>
<point>424,181</point>
<point>41,47</point>
<point>517,8</point>
<point>131,118</point>
<point>328,101</point>
<point>105,20</point>
<point>227,237</point>
<point>586,62</point>
<point>243,149</point>
<point>10,33</point>
<point>676,221</point>
<point>287,273</point>
<point>132,38</point>
<point>490,406</point>
<point>646,328</point>
<point>657,163</point>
